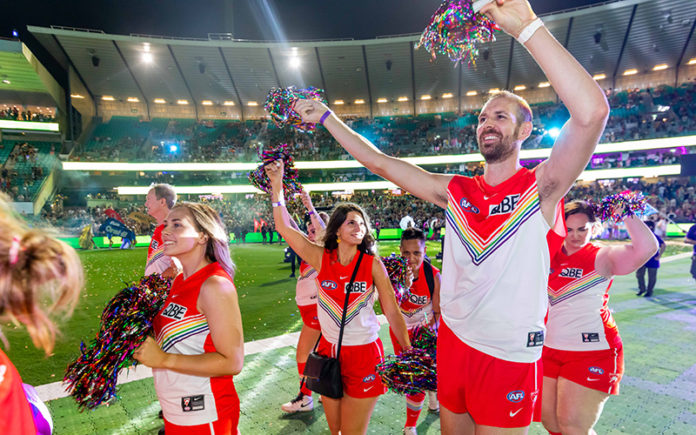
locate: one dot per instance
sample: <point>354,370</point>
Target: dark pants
<point>293,259</point>
<point>652,279</point>
<point>693,266</point>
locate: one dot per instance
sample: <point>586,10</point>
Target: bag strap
<point>345,305</point>
<point>428,272</point>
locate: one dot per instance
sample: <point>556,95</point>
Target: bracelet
<point>324,116</point>
<point>528,31</point>
<point>310,213</point>
<point>280,203</point>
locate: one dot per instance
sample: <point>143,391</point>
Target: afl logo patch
<point>467,206</point>
<point>369,378</point>
<point>515,396</point>
<point>328,284</point>
<point>596,370</point>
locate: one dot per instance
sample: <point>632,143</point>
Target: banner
<point>114,228</point>
<point>141,217</point>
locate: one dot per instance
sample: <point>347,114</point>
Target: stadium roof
<point>19,82</point>
<point>609,38</point>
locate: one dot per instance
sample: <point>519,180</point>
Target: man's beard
<point>500,151</point>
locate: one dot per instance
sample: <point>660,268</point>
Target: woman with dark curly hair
<point>348,244</point>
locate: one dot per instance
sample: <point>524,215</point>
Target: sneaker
<point>410,430</point>
<point>433,403</point>
<point>301,403</point>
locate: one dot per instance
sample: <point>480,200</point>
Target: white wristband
<point>280,203</point>
<point>528,31</point>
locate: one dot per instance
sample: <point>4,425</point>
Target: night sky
<point>253,19</point>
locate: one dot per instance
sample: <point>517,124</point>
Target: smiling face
<point>353,229</point>
<point>153,205</point>
<point>180,235</point>
<point>498,130</point>
<point>311,232</point>
<point>579,232</point>
<point>413,250</point>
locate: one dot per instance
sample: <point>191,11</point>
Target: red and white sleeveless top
<point>157,262</point>
<point>418,305</point>
<point>181,329</point>
<point>306,290</point>
<point>361,325</point>
<point>578,315</point>
<point>496,264</point>
<point>15,411</point>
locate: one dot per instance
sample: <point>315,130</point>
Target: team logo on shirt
<point>571,272</point>
<point>515,396</point>
<point>467,206</point>
<point>358,287</point>
<point>329,285</point>
<point>507,205</point>
<point>154,245</point>
<point>417,300</point>
<point>174,311</point>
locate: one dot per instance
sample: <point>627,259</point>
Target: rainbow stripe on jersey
<point>181,330</point>
<point>575,287</point>
<point>480,247</point>
<point>335,309</point>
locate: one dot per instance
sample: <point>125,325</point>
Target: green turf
<point>266,297</point>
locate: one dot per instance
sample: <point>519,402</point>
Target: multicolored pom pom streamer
<point>621,205</point>
<point>397,269</point>
<point>125,323</point>
<point>291,184</point>
<point>456,29</point>
<point>413,371</point>
<point>425,337</point>
<point>279,104</point>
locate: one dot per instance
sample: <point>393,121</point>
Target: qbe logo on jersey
<point>507,205</point>
<point>358,287</point>
<point>174,311</point>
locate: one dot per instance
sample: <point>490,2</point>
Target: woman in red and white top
<point>35,268</point>
<point>347,235</point>
<point>583,353</point>
<point>199,344</point>
<point>306,299</point>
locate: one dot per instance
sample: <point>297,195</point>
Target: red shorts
<point>360,379</point>
<point>224,426</point>
<point>599,370</point>
<point>310,316</point>
<point>493,391</point>
<point>395,342</point>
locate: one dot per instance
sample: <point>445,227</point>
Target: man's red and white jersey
<point>361,325</point>
<point>181,329</point>
<point>306,290</point>
<point>496,264</point>
<point>418,306</point>
<point>157,262</point>
<point>579,318</point>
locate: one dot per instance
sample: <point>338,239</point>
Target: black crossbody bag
<point>322,373</point>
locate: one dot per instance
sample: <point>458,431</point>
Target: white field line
<point>56,390</point>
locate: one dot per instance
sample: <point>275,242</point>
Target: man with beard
<point>496,264</point>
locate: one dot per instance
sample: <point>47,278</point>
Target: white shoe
<point>301,403</point>
<point>433,404</point>
<point>410,430</point>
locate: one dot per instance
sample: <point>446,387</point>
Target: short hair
<point>165,191</point>
<point>580,207</point>
<point>524,112</point>
<point>413,234</point>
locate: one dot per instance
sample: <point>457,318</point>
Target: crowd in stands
<point>24,168</point>
<point>21,114</point>
<point>663,111</point>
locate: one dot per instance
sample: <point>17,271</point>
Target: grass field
<point>658,391</point>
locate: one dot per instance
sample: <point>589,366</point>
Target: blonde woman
<point>199,344</point>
